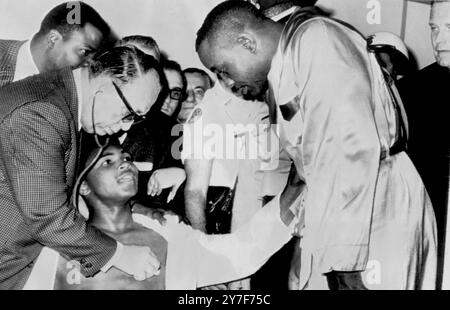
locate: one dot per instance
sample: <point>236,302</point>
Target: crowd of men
<point>103,185</point>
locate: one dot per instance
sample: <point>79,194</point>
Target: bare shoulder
<point>69,276</point>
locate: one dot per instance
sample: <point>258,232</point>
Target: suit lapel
<point>65,82</point>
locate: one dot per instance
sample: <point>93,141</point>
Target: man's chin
<point>130,192</point>
<point>252,96</point>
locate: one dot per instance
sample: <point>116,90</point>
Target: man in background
<point>222,193</point>
<point>425,95</point>
<point>198,82</point>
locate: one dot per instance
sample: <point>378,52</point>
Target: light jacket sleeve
<point>223,258</point>
<point>339,147</point>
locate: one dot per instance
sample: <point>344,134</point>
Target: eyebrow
<point>107,154</point>
<point>87,46</point>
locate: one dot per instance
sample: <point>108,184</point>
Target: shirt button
<point>83,261</point>
<point>88,265</point>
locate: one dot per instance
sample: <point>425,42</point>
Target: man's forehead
<point>147,80</point>
<point>440,11</point>
<point>112,150</point>
<point>89,35</point>
<point>196,79</point>
<point>143,91</point>
<point>173,76</point>
<point>209,55</point>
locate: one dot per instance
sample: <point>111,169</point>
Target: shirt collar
<point>77,74</point>
<point>25,66</point>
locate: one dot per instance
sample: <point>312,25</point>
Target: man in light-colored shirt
<point>232,132</point>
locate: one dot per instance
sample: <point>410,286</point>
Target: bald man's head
<point>228,19</point>
<point>237,43</point>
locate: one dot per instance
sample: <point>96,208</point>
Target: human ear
<point>52,37</point>
<point>84,189</point>
<point>247,42</point>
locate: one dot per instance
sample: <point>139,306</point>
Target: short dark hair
<point>57,19</point>
<point>201,72</point>
<point>228,18</point>
<point>172,65</point>
<point>144,41</point>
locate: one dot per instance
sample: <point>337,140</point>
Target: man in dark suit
<point>40,118</point>
<point>425,95</point>
<point>68,36</point>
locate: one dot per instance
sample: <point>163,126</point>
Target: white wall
<point>173,23</point>
<point>355,12</point>
<point>417,34</point>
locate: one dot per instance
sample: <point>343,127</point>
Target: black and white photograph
<point>224,145</point>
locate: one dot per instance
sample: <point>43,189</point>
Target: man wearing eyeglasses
<point>150,144</point>
<point>40,119</point>
<point>177,83</point>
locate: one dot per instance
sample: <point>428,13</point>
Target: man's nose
<point>124,165</point>
<point>190,96</point>
<point>173,105</point>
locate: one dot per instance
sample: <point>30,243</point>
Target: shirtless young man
<point>189,258</point>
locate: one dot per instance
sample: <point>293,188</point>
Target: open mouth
<point>127,177</point>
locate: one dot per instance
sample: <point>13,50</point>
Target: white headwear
<point>388,39</point>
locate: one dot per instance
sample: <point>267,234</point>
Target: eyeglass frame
<point>137,118</point>
<point>182,94</point>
